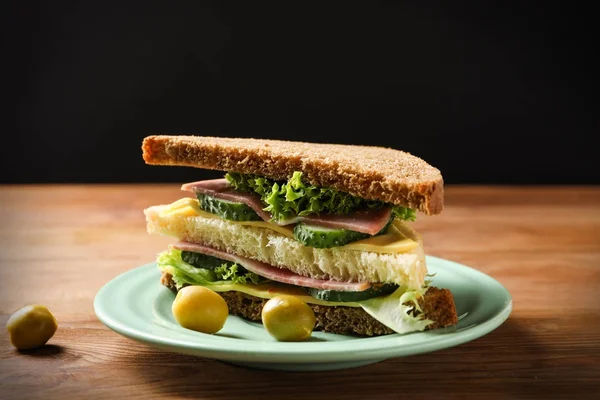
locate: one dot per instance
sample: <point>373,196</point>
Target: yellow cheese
<point>186,207</point>
<point>399,239</point>
<point>284,230</point>
<point>393,241</point>
<point>270,290</point>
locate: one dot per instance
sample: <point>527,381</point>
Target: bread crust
<point>370,172</point>
<point>437,305</point>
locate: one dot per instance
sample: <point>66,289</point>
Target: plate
<point>136,305</point>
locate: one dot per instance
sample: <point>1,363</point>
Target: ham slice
<point>220,189</point>
<point>370,221</point>
<point>273,273</point>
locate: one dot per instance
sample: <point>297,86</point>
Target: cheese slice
<point>270,290</point>
<point>399,238</point>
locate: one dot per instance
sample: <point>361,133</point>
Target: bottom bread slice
<point>437,305</point>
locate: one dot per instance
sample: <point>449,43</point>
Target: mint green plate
<point>137,306</point>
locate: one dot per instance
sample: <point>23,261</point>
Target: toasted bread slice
<point>437,305</point>
<point>373,173</point>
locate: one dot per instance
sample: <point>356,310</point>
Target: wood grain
<point>60,244</point>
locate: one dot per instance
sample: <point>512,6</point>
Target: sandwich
<point>328,223</point>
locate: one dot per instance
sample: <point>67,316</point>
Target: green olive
<point>200,309</point>
<point>31,326</point>
<point>288,319</point>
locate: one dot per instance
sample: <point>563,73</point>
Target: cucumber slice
<point>199,260</point>
<point>341,297</point>
<point>227,209</point>
<point>324,238</point>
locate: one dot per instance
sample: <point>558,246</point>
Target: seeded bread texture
<point>275,249</point>
<point>437,305</point>
<point>370,172</point>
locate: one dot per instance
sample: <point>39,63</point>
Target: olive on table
<point>200,309</point>
<point>287,318</point>
<point>31,326</point>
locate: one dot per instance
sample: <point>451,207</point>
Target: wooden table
<point>60,244</point>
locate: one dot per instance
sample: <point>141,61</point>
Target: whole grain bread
<point>437,305</point>
<point>370,172</point>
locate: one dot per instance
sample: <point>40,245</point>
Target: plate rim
<point>297,352</point>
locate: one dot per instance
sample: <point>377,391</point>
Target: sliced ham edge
<point>370,221</point>
<point>273,273</point>
<point>220,189</point>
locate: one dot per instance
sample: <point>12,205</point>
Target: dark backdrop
<point>488,94</point>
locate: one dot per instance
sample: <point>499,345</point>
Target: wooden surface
<point>60,244</point>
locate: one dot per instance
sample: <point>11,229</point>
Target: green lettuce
<point>285,200</point>
<point>398,310</point>
<point>184,273</point>
<point>233,273</point>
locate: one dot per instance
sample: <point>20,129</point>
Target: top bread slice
<point>370,172</point>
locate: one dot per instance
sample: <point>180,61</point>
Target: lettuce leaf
<point>233,273</point>
<point>183,272</point>
<point>396,311</point>
<point>404,213</point>
<point>285,200</point>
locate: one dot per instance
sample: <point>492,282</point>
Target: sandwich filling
<point>321,217</point>
<point>317,224</point>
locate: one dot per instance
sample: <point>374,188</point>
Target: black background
<point>488,94</point>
